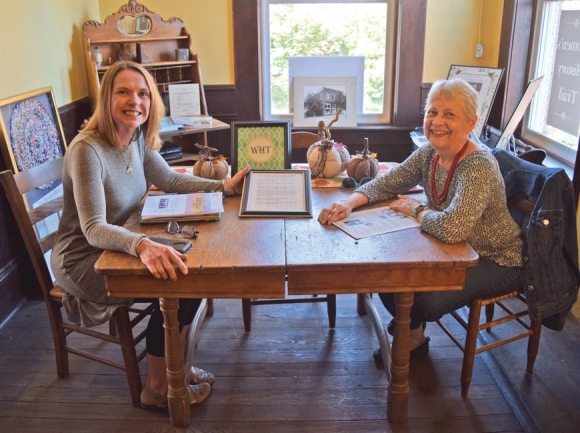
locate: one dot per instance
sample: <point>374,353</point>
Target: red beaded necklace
<point>437,198</point>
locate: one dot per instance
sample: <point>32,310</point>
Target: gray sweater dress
<point>99,196</point>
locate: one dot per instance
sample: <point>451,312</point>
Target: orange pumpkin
<point>210,167</point>
<point>363,165</point>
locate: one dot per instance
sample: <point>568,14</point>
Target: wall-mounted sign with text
<point>564,109</point>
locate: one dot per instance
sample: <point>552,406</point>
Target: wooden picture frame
<point>264,145</point>
<point>486,82</point>
<point>31,134</point>
<point>30,130</point>
<point>277,193</point>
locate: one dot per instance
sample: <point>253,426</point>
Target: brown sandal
<point>198,375</point>
<point>199,393</point>
<point>150,400</point>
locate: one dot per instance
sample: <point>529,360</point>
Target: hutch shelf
<point>135,33</point>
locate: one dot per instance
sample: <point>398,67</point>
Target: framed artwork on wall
<point>30,130</point>
<point>263,145</point>
<point>486,82</point>
<point>31,134</point>
<point>319,98</point>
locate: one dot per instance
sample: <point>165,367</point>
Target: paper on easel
<point>184,100</point>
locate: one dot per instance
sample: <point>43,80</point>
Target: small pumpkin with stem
<point>363,164</point>
<point>208,166</point>
<point>326,158</point>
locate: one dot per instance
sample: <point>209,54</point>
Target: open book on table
<point>199,206</point>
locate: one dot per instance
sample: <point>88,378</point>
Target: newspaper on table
<point>372,222</point>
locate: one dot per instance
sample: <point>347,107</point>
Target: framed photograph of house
<point>30,130</point>
<point>319,98</point>
<point>486,82</point>
<point>277,193</point>
<point>263,145</point>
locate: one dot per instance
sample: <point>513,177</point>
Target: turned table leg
<point>398,393</point>
<point>178,396</point>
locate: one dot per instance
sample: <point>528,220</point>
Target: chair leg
<point>331,304</point>
<point>209,312</point>
<point>533,344</point>
<point>59,339</point>
<point>112,328</point>
<point>129,354</point>
<point>489,311</point>
<point>360,305</point>
<point>247,313</point>
<point>470,345</point>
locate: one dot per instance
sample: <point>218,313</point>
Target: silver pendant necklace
<point>129,169</point>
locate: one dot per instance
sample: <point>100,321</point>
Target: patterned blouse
<point>474,210</point>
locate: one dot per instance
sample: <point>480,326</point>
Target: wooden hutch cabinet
<point>135,33</point>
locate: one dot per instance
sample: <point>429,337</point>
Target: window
<point>355,35</point>
<point>553,121</point>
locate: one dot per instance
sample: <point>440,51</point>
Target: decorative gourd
<point>325,157</point>
<point>210,167</point>
<point>363,165</point>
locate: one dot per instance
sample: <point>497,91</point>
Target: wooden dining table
<point>238,257</point>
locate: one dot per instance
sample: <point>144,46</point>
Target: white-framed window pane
<point>324,29</point>
<point>553,121</point>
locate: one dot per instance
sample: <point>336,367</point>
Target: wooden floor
<point>293,374</point>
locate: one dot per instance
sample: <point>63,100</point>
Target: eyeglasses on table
<point>349,182</point>
<point>187,231</point>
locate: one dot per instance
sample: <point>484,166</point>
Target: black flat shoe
<point>391,327</point>
<point>417,352</point>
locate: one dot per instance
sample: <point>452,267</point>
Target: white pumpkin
<point>327,159</point>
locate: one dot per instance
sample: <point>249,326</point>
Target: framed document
<point>485,81</point>
<point>263,145</point>
<point>276,193</point>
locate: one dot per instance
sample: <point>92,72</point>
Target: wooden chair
<point>535,156</point>
<point>120,325</point>
<point>513,313</point>
<point>300,140</point>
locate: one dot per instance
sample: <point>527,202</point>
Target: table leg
<point>360,304</point>
<point>178,395</point>
<point>398,393</point>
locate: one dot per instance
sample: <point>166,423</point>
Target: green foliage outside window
<point>325,29</point>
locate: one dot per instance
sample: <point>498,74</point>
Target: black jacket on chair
<point>550,258</point>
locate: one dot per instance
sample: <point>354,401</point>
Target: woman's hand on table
<point>404,204</point>
<point>342,209</point>
<point>235,185</point>
<point>161,260</point>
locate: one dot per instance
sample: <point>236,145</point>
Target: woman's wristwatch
<point>418,209</point>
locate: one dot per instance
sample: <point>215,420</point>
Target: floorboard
<point>290,374</point>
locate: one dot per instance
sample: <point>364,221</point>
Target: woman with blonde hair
<point>108,168</point>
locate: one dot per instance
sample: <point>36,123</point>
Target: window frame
<point>384,118</point>
<point>554,148</point>
<point>407,87</point>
